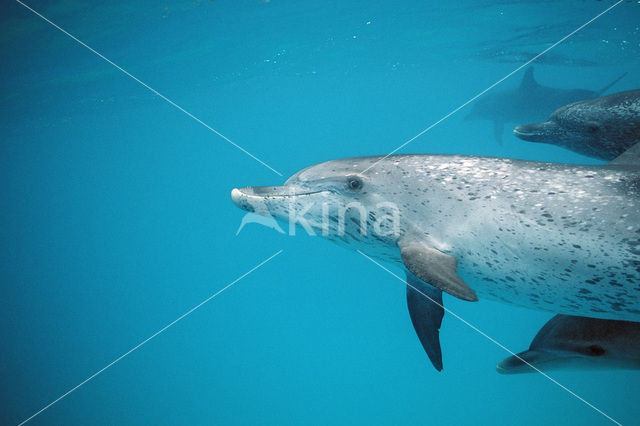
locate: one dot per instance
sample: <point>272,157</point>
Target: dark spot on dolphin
<point>617,306</point>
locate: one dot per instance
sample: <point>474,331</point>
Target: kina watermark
<point>324,218</point>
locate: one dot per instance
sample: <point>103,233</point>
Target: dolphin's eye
<point>595,350</point>
<point>593,128</point>
<point>354,183</point>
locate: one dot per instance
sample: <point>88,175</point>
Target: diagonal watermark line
<point>494,84</point>
<point>473,327</point>
<point>154,91</point>
<point>139,345</point>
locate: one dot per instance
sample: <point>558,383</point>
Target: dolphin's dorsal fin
<point>608,86</point>
<point>426,311</point>
<point>528,81</point>
<point>434,267</point>
<point>630,157</point>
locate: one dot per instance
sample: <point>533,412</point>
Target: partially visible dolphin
<point>601,128</point>
<point>576,343</point>
<point>528,103</point>
<point>516,56</point>
<point>557,237</point>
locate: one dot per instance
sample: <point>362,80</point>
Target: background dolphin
<point>527,103</point>
<point>601,128</point>
<point>571,342</point>
<point>548,236</point>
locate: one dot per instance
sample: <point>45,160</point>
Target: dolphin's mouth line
<point>535,365</point>
<point>248,198</point>
<point>285,196</point>
<point>531,136</point>
<point>521,133</point>
<point>250,193</point>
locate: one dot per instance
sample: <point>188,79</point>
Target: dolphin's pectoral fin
<point>436,268</point>
<point>498,130</point>
<point>426,312</point>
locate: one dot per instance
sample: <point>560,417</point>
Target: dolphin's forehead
<point>619,106</point>
<point>575,112</point>
<point>333,168</point>
<point>394,168</point>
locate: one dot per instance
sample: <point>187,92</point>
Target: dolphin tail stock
<point>610,85</point>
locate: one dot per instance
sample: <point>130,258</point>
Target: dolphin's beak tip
<point>237,197</point>
<point>235,193</point>
<point>521,129</point>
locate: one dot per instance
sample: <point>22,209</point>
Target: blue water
<point>115,214</point>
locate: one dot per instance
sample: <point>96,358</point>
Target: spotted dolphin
<point>557,237</point>
<point>527,103</point>
<point>601,128</point>
<point>577,343</point>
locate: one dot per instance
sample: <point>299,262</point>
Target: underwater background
<point>116,218</point>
